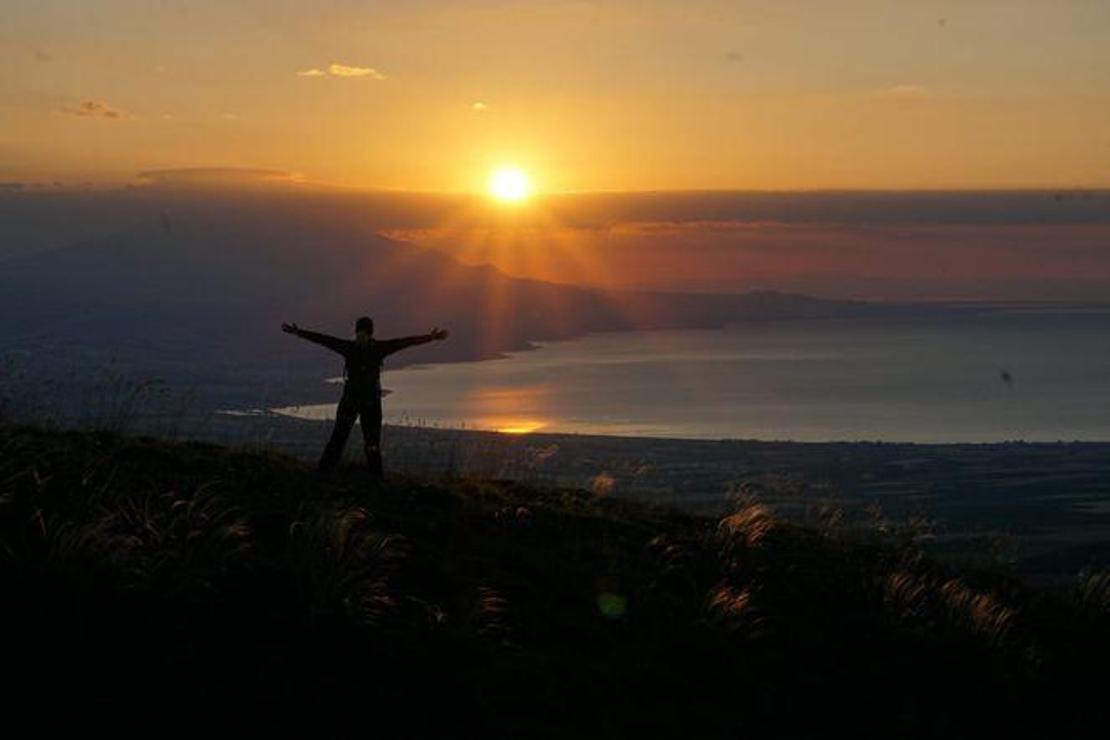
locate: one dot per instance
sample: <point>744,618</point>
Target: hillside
<point>180,588</point>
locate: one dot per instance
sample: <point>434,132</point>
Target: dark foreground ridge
<point>177,589</point>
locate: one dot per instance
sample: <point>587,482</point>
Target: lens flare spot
<point>612,605</point>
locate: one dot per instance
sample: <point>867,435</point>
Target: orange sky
<point>622,95</point>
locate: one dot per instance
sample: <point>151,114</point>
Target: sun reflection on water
<point>515,426</point>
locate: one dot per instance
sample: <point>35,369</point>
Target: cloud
<point>904,92</point>
<point>97,109</point>
<point>200,177</point>
<point>342,70</point>
<point>479,106</point>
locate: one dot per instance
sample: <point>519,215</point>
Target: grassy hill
<point>159,588</point>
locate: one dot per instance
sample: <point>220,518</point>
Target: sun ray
<point>533,240</point>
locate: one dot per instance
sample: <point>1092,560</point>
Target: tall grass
<point>341,566</point>
<point>262,598</point>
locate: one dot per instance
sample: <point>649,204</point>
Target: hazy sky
<point>429,95</point>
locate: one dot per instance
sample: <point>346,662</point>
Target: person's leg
<point>370,416</point>
<point>345,417</point>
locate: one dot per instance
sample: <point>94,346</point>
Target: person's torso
<point>362,365</point>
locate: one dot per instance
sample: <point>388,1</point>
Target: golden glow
<point>914,102</point>
<point>509,184</point>
<point>518,426</point>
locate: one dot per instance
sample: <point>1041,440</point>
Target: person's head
<point>364,327</point>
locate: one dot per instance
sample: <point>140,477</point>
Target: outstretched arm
<point>333,343</point>
<point>395,345</point>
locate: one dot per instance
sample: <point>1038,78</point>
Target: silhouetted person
<point>362,391</point>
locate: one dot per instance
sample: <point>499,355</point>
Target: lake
<point>1014,374</point>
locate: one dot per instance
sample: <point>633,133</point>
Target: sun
<point>509,184</point>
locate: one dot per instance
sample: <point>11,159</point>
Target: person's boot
<point>374,463</point>
<point>332,456</point>
<point>326,467</point>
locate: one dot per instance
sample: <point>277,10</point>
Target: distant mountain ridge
<point>241,270</point>
<point>200,290</point>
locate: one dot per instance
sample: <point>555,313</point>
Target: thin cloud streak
<point>342,70</point>
<point>97,109</point>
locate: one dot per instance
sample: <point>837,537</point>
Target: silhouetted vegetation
<point>163,588</point>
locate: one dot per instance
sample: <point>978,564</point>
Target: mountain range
<point>189,291</point>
